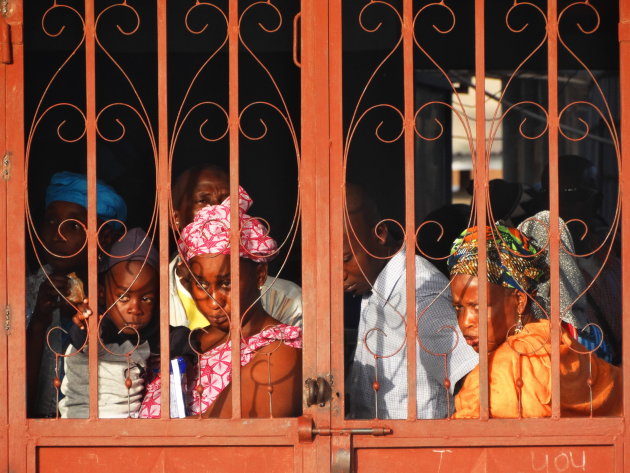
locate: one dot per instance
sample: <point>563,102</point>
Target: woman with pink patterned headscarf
<point>205,246</point>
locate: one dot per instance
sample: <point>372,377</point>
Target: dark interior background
<point>268,167</point>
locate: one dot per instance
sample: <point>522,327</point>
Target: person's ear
<point>381,232</point>
<point>521,301</point>
<point>177,220</point>
<point>107,236</point>
<point>261,274</point>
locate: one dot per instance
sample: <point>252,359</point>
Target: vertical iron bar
<point>624,90</point>
<point>4,271</point>
<point>554,209</point>
<point>410,223</point>
<point>319,167</point>
<point>481,187</point>
<point>13,86</point>
<point>235,315</point>
<point>163,194</point>
<point>4,300</point>
<point>312,302</point>
<point>336,194</point>
<point>92,247</point>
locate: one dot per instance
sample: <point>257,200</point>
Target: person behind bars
<point>194,189</point>
<point>59,284</point>
<point>129,333</point>
<point>519,344</point>
<point>374,270</point>
<point>271,355</point>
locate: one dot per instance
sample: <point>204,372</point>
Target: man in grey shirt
<point>374,269</point>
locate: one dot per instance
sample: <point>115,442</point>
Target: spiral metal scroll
<point>214,108</point>
<point>360,111</point>
<point>75,112</point>
<point>195,24</point>
<point>42,111</point>
<point>517,24</point>
<point>572,134</point>
<point>607,118</point>
<point>280,107</point>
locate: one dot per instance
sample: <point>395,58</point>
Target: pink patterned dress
<point>215,369</point>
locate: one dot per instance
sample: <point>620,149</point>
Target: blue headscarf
<point>71,187</point>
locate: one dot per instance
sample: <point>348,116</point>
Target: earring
<point>519,324</point>
<point>100,257</point>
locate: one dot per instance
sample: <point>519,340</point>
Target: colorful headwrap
<point>209,233</point>
<point>512,261</point>
<point>71,187</point>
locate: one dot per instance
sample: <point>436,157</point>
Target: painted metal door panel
<point>492,460</point>
<point>155,459</point>
<point>383,125</point>
<point>73,445</point>
<point>492,445</point>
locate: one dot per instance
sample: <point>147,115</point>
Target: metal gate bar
<point>480,205</point>
<point>554,234</point>
<point>235,322</point>
<point>92,248</point>
<point>624,88</point>
<point>410,214</point>
<point>163,188</point>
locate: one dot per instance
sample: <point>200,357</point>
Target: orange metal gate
<point>323,439</point>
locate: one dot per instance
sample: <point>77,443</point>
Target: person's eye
<point>75,226</point>
<point>457,308</point>
<point>202,285</point>
<point>123,298</point>
<point>148,299</point>
<point>347,258</point>
<point>225,284</point>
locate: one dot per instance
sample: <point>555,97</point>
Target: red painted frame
<point>321,187</point>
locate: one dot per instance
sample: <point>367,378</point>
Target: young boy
<point>59,282</point>
<point>128,331</point>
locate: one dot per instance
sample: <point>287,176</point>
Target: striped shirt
<point>382,321</point>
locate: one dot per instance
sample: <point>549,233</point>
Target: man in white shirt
<point>374,269</point>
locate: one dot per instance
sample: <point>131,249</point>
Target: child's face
<point>132,299</point>
<point>63,235</point>
<point>211,291</point>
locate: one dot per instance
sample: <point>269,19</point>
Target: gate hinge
<point>4,7</point>
<point>7,318</point>
<point>6,166</point>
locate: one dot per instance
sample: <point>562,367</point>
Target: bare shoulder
<point>273,378</point>
<point>281,359</point>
